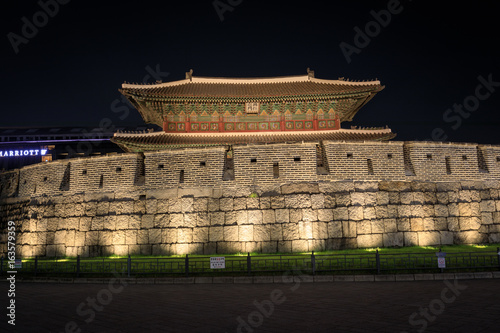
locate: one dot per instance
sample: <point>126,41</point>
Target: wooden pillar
<point>282,122</point>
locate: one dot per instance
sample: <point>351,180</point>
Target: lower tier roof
<point>139,142</point>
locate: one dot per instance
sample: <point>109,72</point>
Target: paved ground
<point>432,306</point>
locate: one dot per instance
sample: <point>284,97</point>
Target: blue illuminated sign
<point>22,152</point>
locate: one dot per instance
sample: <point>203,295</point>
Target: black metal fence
<point>369,263</point>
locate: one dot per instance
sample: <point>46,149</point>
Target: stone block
<point>147,221</point>
<point>395,186</point>
<point>251,247</point>
<point>254,216</point>
<point>390,225</point>
<point>162,206</point>
<point>355,213</point>
<point>154,236</point>
<point>121,222</point>
<point>486,218</point>
<point>364,227</point>
<point>213,204</point>
<point>230,218</point>
<point>369,213</point>
<point>276,232</point>
<point>265,202</point>
<point>277,202</point>
<point>226,204</point>
<point>216,234</point>
<point>441,223</point>
<point>442,198</point>
<point>446,237</point>
<point>357,199</point>
<point>320,230</point>
<point>200,204</point>
<point>428,238</point>
<point>143,237</point>
<point>98,223</point>
<point>403,224</point>
<point>394,198</point>
<point>417,224</point>
<point>469,223</point>
<point>341,213</point>
<point>404,211</point>
<point>217,218</point>
<point>285,247</point>
<point>106,238</point>
<point>487,206</point>
<point>202,219</point>
<point>201,235</point>
<point>252,203</point>
<point>261,233</point>
<point>190,219</point>
<point>309,215</point>
<point>428,223</point>
<point>298,201</point>
<point>469,237</point>
<point>187,204</point>
<point>231,233</point>
<point>393,239</point>
<point>410,239</point>
<point>349,229</point>
<point>334,229</point>
<point>245,233</point>
<point>366,186</point>
<point>441,210</point>
<point>268,216</point>
<point>240,203</point>
<point>453,224</point>
<point>377,226</point>
<point>342,199</point>
<point>176,220</point>
<point>300,245</point>
<point>464,209</point>
<point>308,188</point>
<point>305,230</point>
<point>185,235</point>
<point>119,237</point>
<point>317,201</point>
<point>370,241</point>
<point>430,198</point>
<point>290,231</point>
<point>242,217</point>
<point>295,215</point>
<point>130,237</point>
<point>325,215</point>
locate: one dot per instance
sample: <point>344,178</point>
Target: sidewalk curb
<point>272,279</point>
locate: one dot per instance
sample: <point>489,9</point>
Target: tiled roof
<point>287,87</point>
<point>161,140</point>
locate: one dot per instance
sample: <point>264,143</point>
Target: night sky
<point>429,58</point>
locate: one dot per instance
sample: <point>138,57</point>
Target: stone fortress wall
<point>263,198</point>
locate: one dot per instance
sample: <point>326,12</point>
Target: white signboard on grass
<point>217,262</point>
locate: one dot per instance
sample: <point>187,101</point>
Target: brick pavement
<point>298,307</point>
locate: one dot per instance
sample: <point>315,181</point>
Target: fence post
<point>313,263</point>
<point>129,265</point>
<point>36,264</point>
<point>78,266</point>
<point>377,257</point>
<point>249,265</point>
<point>498,252</point>
<point>187,265</point>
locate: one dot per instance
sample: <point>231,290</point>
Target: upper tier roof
<point>247,89</point>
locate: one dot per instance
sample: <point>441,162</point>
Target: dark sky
<point>429,57</point>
